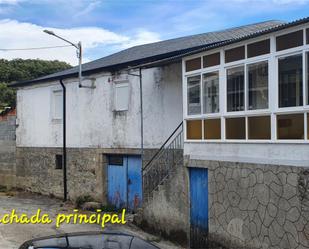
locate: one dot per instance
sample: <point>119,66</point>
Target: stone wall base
<point>166,211</point>
<point>86,170</point>
<point>257,206</point>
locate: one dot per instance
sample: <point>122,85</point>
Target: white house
<point>235,173</point>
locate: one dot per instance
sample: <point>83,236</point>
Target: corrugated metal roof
<point>169,49</point>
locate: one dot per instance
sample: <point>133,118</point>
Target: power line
<point>38,48</point>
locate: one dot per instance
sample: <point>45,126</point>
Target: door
<point>198,208</point>
<point>134,182</point>
<point>124,181</point>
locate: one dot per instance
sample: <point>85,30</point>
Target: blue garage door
<point>125,181</point>
<point>199,208</point>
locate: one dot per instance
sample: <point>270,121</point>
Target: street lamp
<point>78,46</point>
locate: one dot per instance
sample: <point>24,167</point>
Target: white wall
<point>91,121</point>
<point>265,153</point>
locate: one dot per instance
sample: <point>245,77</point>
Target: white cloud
<point>9,1</point>
<point>16,34</point>
<point>142,37</point>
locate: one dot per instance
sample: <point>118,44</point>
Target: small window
<point>193,64</point>
<point>212,129</point>
<point>290,40</point>
<point>211,60</point>
<point>258,48</point>
<point>258,85</point>
<point>290,126</point>
<point>259,127</point>
<point>211,92</point>
<point>291,81</point>
<point>194,95</point>
<point>235,128</point>
<point>194,129</point>
<point>116,160</point>
<point>59,162</point>
<point>235,54</point>
<point>235,89</point>
<point>121,96</point>
<point>57,104</point>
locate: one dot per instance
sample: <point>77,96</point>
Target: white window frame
<point>118,85</point>
<point>54,92</point>
<point>273,104</point>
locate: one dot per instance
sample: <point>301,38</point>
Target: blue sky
<point>107,26</point>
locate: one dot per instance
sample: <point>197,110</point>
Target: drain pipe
<point>64,148</point>
<point>142,121</point>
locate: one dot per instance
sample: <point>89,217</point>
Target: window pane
<point>235,128</point>
<point>211,60</point>
<point>290,81</point>
<point>307,125</point>
<point>193,64</point>
<point>211,92</point>
<point>258,48</point>
<point>212,129</point>
<point>290,40</point>
<point>259,127</point>
<point>194,129</point>
<point>235,89</point>
<point>258,85</point>
<point>194,97</point>
<point>235,54</point>
<point>290,126</point>
<point>307,63</point>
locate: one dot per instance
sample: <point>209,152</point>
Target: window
<point>211,92</point>
<point>290,81</point>
<point>57,104</point>
<point>259,127</point>
<point>193,64</point>
<point>235,128</point>
<point>235,54</point>
<point>290,40</point>
<point>307,35</point>
<point>211,60</point>
<point>116,160</point>
<point>212,129</point>
<point>307,66</point>
<point>194,129</point>
<point>258,48</point>
<point>194,95</point>
<point>58,161</point>
<point>258,85</point>
<point>290,126</point>
<point>121,97</point>
<point>235,89</point>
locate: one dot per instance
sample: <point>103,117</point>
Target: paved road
<point>13,235</point>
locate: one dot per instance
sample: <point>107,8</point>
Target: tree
<point>21,70</point>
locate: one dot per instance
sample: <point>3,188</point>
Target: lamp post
<point>78,46</point>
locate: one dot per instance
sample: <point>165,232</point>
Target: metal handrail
<point>162,147</point>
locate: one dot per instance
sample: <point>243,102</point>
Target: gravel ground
<point>13,235</point>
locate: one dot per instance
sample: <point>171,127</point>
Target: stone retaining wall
<point>257,206</point>
<point>7,149</point>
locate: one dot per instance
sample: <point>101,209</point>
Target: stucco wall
<point>293,154</point>
<point>91,121</point>
<point>257,205</point>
